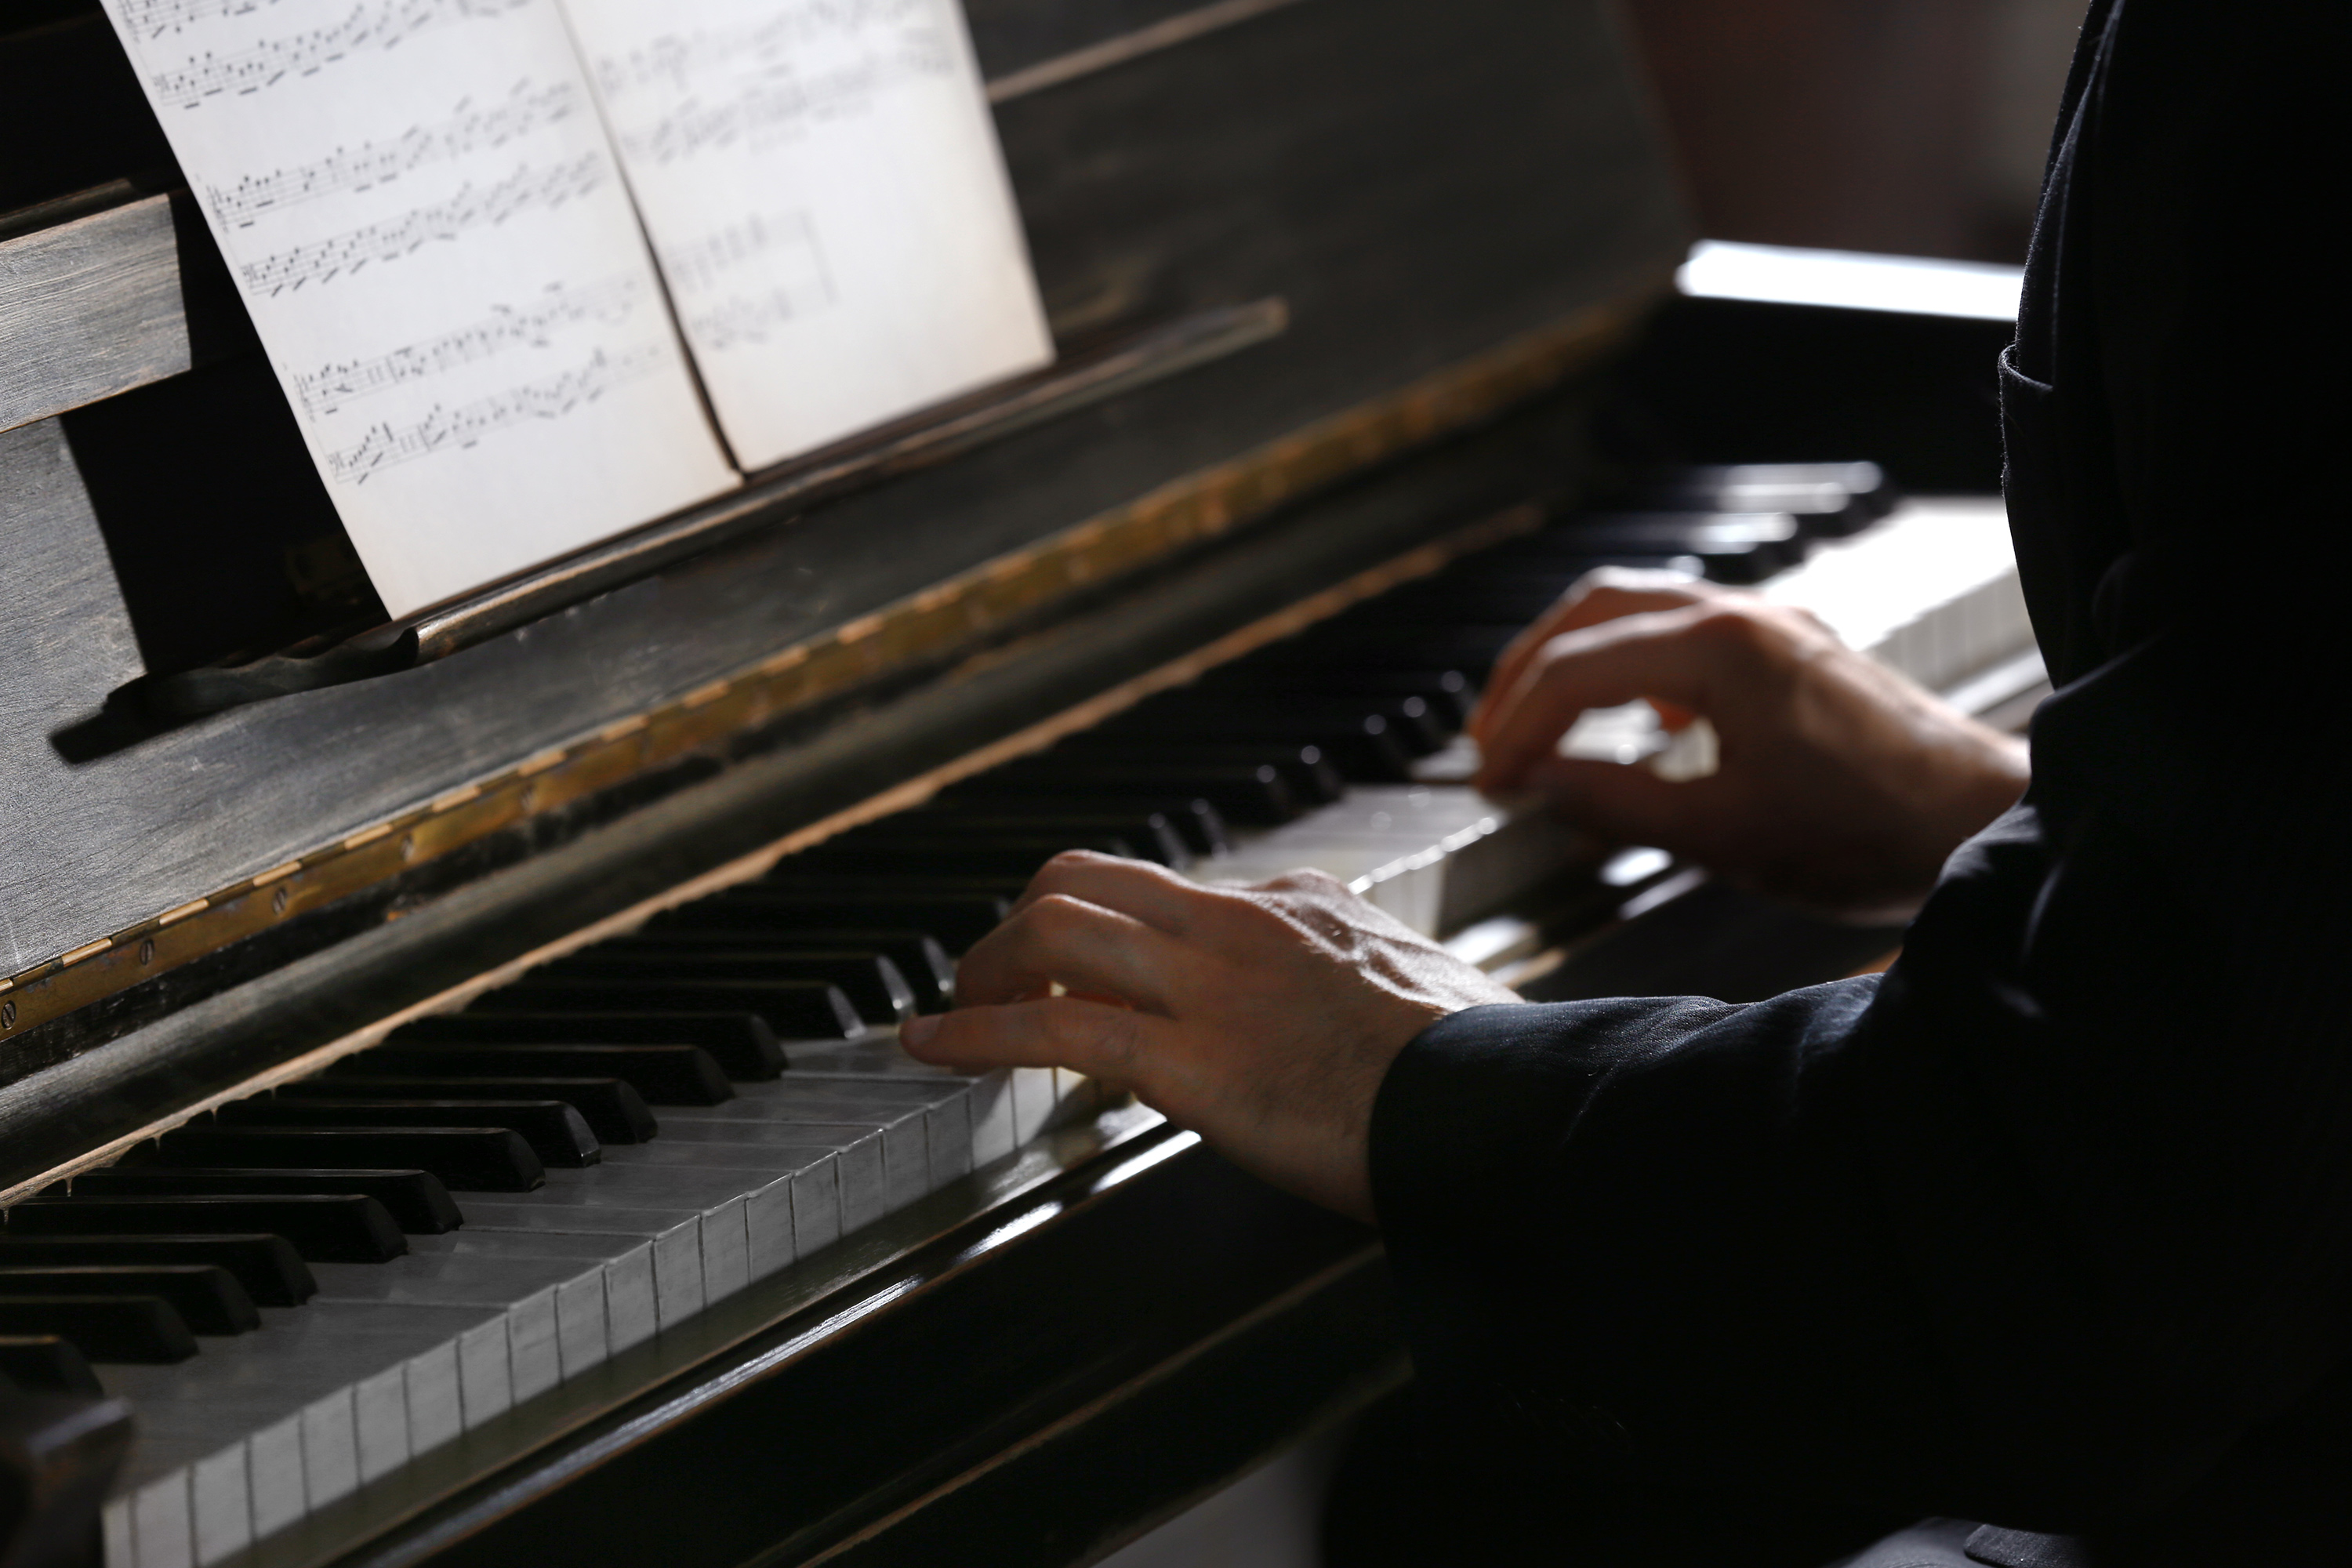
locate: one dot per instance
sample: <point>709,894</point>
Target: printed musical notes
<point>468,130</point>
<point>468,208</point>
<point>427,221</point>
<point>267,62</point>
<point>427,207</point>
<point>328,388</point>
<point>385,445</point>
<point>897,277</point>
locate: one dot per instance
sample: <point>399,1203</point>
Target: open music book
<point>512,259</point>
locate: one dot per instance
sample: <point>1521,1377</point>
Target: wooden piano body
<point>1335,284</point>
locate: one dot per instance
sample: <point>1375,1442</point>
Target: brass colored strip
<point>928,625</point>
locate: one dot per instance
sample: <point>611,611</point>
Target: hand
<point>1841,785</point>
<point>1261,1018</point>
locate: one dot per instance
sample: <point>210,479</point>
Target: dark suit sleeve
<point>2052,1221</point>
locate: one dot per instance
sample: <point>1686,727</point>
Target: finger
<point>1641,656</point>
<point>1604,594</point>
<point>1062,940</point>
<point>1152,894</point>
<point>1102,1042</point>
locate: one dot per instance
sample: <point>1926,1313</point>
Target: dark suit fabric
<point>2052,1225</point>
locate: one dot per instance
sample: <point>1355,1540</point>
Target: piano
<point>448,1104</point>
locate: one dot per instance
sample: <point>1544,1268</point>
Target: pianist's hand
<point>1841,785</point>
<point>1261,1018</point>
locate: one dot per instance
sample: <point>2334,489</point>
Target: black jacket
<point>2052,1226</point>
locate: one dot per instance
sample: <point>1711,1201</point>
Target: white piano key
<point>770,1241</point>
<point>162,1530</point>
<point>816,1207</point>
<point>994,1134</point>
<point>274,1472</point>
<point>114,1533</point>
<point>330,1448</point>
<point>726,1250</point>
<point>220,1503</point>
<point>534,1364</point>
<point>905,1142</point>
<point>484,1373</point>
<point>379,1422</point>
<point>855,1153</point>
<point>625,1262</point>
<point>675,1237</point>
<point>580,1334</point>
<point>1032,1101</point>
<point>632,1312</point>
<point>436,1407</point>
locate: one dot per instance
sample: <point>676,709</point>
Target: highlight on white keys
<point>1633,734</point>
<point>1852,280</point>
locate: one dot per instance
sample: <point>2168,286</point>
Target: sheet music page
<point>421,208</point>
<point>823,189</point>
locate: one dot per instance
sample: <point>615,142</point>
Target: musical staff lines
<point>371,164</point>
<point>371,25</point>
<point>747,322</point>
<point>673,61</point>
<point>388,446</point>
<point>780,242</point>
<point>773,110</point>
<point>153,19</point>
<point>330,388</point>
<point>471,208</point>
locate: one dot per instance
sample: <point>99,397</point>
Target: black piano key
<point>874,984</point>
<point>1472,648</point>
<point>208,1299</point>
<point>1255,797</point>
<point>325,1228</point>
<point>44,1364</point>
<point>612,1106</point>
<point>664,1075</point>
<point>104,1328</point>
<point>1311,777</point>
<point>558,1134</point>
<point>1403,727</point>
<point>416,1200</point>
<point>467,1159</point>
<point>1152,836</point>
<point>949,854</point>
<point>740,1042</point>
<point>1448,692</point>
<point>794,1009</point>
<point>921,959</point>
<point>268,1266</point>
<point>1197,823</point>
<point>958,919</point>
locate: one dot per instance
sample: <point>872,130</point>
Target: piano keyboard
<point>308,1292</point>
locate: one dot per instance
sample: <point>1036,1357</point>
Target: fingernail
<point>917,1032</point>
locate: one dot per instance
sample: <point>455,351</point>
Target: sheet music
<point>423,212</point>
<point>823,189</point>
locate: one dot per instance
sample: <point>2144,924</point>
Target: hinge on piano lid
<point>919,441</point>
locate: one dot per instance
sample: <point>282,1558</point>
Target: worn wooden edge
<point>90,303</point>
<point>993,597</point>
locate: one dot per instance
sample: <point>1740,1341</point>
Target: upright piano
<point>447,1088</point>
